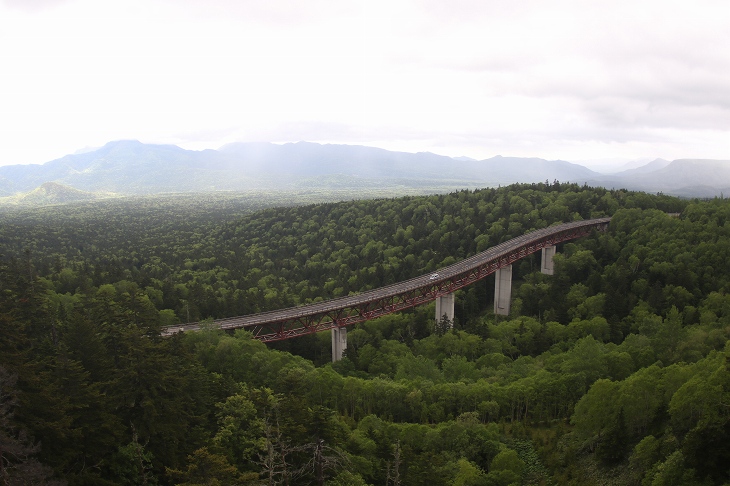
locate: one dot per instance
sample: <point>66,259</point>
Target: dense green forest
<point>612,371</point>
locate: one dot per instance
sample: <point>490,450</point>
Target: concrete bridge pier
<point>445,305</point>
<point>546,266</point>
<point>339,343</point>
<point>503,290</point>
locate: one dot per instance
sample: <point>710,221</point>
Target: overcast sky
<point>571,80</point>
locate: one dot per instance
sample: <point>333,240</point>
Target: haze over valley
<point>127,168</point>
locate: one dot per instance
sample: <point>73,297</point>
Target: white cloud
<point>31,5</point>
<point>564,79</point>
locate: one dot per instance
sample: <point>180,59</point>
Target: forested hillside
<point>612,371</point>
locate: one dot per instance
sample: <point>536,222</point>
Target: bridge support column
<point>503,290</point>
<point>445,305</point>
<point>339,342</point>
<point>546,266</point>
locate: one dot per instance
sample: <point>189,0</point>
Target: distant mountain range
<point>134,168</point>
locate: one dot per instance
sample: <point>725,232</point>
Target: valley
<point>524,398</point>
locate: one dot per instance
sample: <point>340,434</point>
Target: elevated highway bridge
<point>439,285</point>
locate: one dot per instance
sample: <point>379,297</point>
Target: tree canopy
<point>614,367</point>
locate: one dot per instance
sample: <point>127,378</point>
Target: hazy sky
<point>573,80</point>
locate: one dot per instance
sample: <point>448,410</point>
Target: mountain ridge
<point>130,167</point>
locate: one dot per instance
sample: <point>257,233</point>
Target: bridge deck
<point>344,311</point>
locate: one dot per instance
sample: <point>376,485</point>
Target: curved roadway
<point>344,311</point>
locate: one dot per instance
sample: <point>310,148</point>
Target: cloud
<point>467,76</point>
<point>32,5</point>
<point>278,14</point>
<point>622,63</point>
